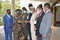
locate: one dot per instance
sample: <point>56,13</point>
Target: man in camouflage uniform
<point>18,27</point>
<point>24,11</point>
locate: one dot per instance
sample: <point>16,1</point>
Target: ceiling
<point>49,1</point>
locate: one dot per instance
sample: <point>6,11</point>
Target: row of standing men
<point>36,23</point>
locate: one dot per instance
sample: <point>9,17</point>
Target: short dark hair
<point>30,5</point>
<point>32,8</point>
<point>40,6</point>
<point>47,5</point>
<point>17,10</point>
<point>24,8</point>
<point>8,10</point>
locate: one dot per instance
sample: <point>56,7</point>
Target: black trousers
<point>39,36</point>
<point>29,30</point>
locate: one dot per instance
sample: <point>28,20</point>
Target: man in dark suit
<point>28,18</point>
<point>38,20</point>
<point>8,25</point>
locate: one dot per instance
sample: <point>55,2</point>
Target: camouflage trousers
<point>18,36</point>
<point>18,33</point>
<point>25,31</point>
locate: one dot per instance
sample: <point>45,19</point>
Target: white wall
<point>58,14</point>
<point>43,0</point>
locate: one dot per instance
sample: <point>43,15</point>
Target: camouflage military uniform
<point>18,28</point>
<point>25,25</point>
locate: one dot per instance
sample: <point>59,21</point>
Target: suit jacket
<point>39,19</point>
<point>45,27</point>
<point>37,25</point>
<point>29,18</point>
<point>7,22</point>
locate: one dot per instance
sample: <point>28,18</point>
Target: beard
<point>9,13</point>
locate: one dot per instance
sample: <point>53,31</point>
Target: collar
<point>41,13</point>
<point>8,15</point>
<point>47,11</point>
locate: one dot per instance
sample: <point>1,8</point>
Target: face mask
<point>24,11</point>
<point>19,14</point>
<point>44,10</point>
<point>38,12</point>
<point>31,11</point>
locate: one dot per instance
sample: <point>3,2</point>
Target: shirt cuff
<point>35,22</point>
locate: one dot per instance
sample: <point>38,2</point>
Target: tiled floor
<point>55,33</point>
<point>2,36</point>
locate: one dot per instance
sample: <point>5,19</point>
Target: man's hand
<point>10,26</point>
<point>34,29</point>
<point>44,35</point>
<point>19,22</point>
<point>27,21</point>
<point>23,21</point>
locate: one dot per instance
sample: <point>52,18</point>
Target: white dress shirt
<point>47,11</point>
<point>8,15</point>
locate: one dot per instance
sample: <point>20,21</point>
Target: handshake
<point>23,21</point>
